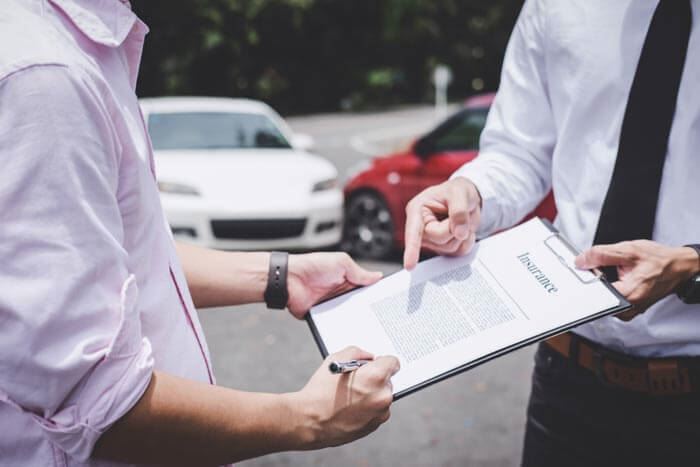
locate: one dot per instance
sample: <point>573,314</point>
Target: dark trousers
<point>574,419</point>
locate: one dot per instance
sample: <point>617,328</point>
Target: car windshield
<point>214,130</point>
<point>461,132</point>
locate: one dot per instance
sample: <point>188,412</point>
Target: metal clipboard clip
<point>565,252</point>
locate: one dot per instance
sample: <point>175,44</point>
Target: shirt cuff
<point>111,389</point>
<point>489,199</point>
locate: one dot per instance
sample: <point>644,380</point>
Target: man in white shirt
<point>597,101</point>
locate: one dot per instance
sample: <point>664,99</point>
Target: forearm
<point>221,278</point>
<point>182,422</point>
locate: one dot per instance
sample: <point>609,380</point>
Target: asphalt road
<point>474,419</point>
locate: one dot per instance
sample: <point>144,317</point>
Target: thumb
<point>386,366</point>
<point>601,255</point>
<point>358,275</point>
<point>463,201</point>
<point>458,213</point>
<point>625,288</point>
<point>389,363</point>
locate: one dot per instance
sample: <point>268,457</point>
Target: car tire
<point>368,230</point>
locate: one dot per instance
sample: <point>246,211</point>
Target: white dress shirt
<point>555,123</point>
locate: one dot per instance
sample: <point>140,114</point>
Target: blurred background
<point>348,108</point>
<point>303,56</point>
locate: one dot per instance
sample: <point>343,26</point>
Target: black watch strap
<point>276,294</point>
<point>689,291</point>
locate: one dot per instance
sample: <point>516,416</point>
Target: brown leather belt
<point>659,377</point>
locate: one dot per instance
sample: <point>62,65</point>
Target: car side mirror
<point>303,142</point>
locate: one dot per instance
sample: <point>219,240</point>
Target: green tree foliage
<point>318,55</point>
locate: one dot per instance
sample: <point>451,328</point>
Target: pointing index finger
<point>413,235</point>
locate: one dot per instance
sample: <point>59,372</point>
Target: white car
<point>232,175</point>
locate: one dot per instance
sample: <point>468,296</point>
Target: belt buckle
<point>666,378</point>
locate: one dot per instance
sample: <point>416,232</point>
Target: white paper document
<point>451,313</point>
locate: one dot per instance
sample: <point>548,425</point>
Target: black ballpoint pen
<point>346,367</point>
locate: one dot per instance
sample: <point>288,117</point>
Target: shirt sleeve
<point>72,355</point>
<point>514,169</point>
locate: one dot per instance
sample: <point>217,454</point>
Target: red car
<point>375,199</point>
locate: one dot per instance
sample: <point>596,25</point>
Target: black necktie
<point>629,208</point>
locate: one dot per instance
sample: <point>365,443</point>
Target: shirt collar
<point>107,22</point>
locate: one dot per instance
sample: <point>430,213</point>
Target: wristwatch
<point>689,291</point>
<point>276,293</point>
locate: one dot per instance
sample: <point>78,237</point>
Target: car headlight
<point>177,189</point>
<point>324,185</point>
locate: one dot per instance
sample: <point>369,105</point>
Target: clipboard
<point>623,305</point>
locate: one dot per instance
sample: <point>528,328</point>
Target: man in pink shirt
<point>102,358</point>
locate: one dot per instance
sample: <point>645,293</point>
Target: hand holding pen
<point>344,405</point>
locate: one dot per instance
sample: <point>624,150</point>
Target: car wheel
<point>369,230</point>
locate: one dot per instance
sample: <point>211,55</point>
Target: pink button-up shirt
<point>92,296</point>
